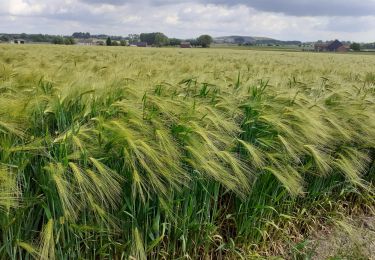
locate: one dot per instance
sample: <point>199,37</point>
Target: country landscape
<point>197,146</point>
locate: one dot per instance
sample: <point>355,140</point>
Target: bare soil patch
<point>352,238</point>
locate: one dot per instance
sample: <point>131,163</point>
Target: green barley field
<point>131,153</point>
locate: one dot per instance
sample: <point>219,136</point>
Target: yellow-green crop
<point>165,153</point>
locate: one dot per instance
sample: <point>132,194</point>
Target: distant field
<point>259,48</point>
<point>114,152</point>
<point>285,48</point>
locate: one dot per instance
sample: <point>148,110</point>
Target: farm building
<point>333,46</point>
<point>99,42</point>
<point>185,45</point>
<point>308,47</point>
<point>18,41</point>
<point>141,44</point>
<point>86,42</point>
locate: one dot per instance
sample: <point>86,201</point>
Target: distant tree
<point>133,38</point>
<point>205,40</point>
<point>36,38</point>
<point>123,43</point>
<point>66,41</point>
<point>4,38</point>
<point>147,37</point>
<point>194,42</point>
<point>81,35</point>
<point>69,41</point>
<point>369,45</point>
<point>155,39</point>
<point>355,46</point>
<point>161,39</point>
<point>109,41</point>
<point>114,43</point>
<point>174,41</point>
<point>58,40</point>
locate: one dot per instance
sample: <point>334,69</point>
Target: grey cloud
<point>349,24</point>
<point>288,7</point>
<point>308,7</point>
<point>111,2</point>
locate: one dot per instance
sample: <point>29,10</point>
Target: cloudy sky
<point>282,19</point>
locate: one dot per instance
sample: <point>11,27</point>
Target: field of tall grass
<point>118,153</point>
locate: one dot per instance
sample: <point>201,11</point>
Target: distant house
<point>333,46</point>
<point>18,41</point>
<point>343,48</point>
<point>320,46</point>
<point>185,45</point>
<point>141,44</point>
<point>308,47</point>
<point>99,42</point>
<point>86,42</point>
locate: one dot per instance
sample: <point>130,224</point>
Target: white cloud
<point>171,19</point>
<point>131,19</point>
<point>20,7</point>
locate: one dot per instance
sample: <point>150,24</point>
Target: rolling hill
<point>236,39</point>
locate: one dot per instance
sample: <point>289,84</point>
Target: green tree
<point>355,46</point>
<point>133,38</point>
<point>58,40</point>
<point>161,40</point>
<point>4,38</point>
<point>109,41</point>
<point>69,41</point>
<point>174,41</point>
<point>155,39</point>
<point>147,37</point>
<point>205,40</point>
<point>81,35</point>
<point>194,42</point>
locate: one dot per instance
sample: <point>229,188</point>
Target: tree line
<point>68,40</point>
<point>156,39</point>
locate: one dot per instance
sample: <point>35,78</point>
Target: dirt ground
<point>352,239</point>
